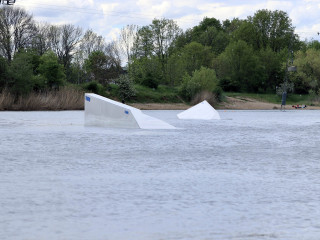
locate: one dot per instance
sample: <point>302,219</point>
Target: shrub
<point>150,81</point>
<point>94,87</point>
<point>126,88</point>
<point>50,68</point>
<point>202,79</point>
<point>39,83</point>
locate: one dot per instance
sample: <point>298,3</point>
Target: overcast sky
<point>107,17</point>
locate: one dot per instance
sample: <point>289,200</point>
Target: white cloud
<point>106,17</point>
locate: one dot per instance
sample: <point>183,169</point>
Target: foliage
<point>39,83</point>
<point>162,94</point>
<point>3,73</point>
<point>101,67</point>
<point>126,88</point>
<point>194,56</point>
<point>50,68</point>
<point>21,74</point>
<point>94,87</point>
<point>307,76</point>
<point>202,79</point>
<point>146,71</point>
<point>272,29</point>
<point>240,67</point>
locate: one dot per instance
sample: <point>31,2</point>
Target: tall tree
<point>40,42</point>
<point>63,40</point>
<point>128,35</point>
<point>143,45</point>
<point>240,68</point>
<point>17,30</point>
<point>50,68</point>
<point>164,32</point>
<point>273,29</point>
<point>89,43</point>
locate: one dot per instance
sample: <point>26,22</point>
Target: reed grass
<point>65,99</point>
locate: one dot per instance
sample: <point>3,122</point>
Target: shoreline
<point>231,103</point>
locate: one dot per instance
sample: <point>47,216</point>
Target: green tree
<point>272,69</point>
<point>146,71</point>
<point>51,70</point>
<point>126,88</point>
<point>204,25</point>
<point>164,33</point>
<point>3,73</point>
<point>156,40</point>
<point>101,67</point>
<point>314,44</point>
<point>21,74</point>
<point>307,76</point>
<point>194,55</point>
<point>175,69</point>
<point>273,29</point>
<point>246,32</point>
<point>241,67</point>
<point>214,38</point>
<point>143,44</point>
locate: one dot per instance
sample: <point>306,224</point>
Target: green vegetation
<point>163,63</point>
<point>163,94</point>
<point>273,98</point>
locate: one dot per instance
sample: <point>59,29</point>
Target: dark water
<point>251,175</point>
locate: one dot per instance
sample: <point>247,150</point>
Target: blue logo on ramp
<point>87,98</point>
<point>126,112</point>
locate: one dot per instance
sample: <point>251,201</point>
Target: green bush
<point>39,83</point>
<point>126,88</point>
<point>202,79</point>
<point>150,81</point>
<point>94,87</point>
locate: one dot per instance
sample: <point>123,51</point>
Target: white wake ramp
<point>101,111</point>
<point>201,111</point>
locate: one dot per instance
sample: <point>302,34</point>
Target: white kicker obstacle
<point>101,111</point>
<point>201,111</point>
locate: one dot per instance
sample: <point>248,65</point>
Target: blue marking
<point>87,98</point>
<point>126,112</point>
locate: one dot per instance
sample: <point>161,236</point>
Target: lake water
<point>251,175</point>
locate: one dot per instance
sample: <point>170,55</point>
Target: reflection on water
<point>251,175</point>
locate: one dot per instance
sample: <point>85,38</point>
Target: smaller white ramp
<point>101,111</point>
<point>201,111</point>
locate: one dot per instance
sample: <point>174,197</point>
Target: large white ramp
<point>101,111</point>
<point>201,111</point>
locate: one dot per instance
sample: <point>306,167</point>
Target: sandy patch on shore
<point>243,103</point>
<point>235,103</point>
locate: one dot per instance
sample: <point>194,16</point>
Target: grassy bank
<point>164,97</point>
<point>65,99</point>
<point>292,99</point>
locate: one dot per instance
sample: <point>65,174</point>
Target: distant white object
<point>202,111</point>
<point>101,111</point>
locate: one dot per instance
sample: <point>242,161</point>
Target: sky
<point>107,17</point>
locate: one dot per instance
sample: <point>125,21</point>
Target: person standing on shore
<point>283,100</point>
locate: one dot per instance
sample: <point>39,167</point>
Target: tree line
<point>243,55</point>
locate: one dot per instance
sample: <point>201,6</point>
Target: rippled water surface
<point>251,175</point>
